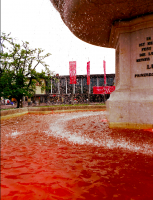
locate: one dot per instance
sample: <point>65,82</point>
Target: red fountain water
<point>74,156</point>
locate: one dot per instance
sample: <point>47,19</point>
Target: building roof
<point>91,75</point>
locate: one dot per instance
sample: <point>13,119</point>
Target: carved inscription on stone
<point>146,52</point>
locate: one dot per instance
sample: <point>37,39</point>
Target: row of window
<point>63,85</point>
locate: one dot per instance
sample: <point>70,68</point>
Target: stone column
<point>59,86</point>
<point>131,104</point>
<point>90,88</point>
<point>51,87</point>
<point>66,84</point>
<point>97,81</point>
<point>81,87</point>
<point>73,88</point>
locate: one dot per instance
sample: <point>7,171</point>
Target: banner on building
<point>72,71</point>
<point>88,73</point>
<point>103,90</point>
<point>104,66</point>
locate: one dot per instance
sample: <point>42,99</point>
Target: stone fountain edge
<point>6,114</point>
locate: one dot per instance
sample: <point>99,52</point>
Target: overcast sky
<point>38,22</point>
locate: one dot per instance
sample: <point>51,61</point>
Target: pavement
<point>24,105</point>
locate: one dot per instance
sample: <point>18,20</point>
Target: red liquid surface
<point>74,156</point>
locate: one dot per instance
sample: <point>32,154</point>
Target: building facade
<point>63,91</point>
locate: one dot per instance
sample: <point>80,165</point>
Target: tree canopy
<point>18,75</point>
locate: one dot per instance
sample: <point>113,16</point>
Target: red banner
<point>103,90</point>
<point>104,66</point>
<point>88,73</point>
<point>72,70</point>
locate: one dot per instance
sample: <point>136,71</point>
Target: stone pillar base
<point>129,112</point>
<point>131,104</point>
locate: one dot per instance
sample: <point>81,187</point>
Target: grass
<point>7,108</point>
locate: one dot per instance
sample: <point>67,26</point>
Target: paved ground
<point>24,105</point>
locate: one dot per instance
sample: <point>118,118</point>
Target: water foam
<point>15,133</point>
<point>58,130</point>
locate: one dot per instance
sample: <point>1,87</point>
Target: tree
<point>18,75</point>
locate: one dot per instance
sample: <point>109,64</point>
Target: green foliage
<point>18,75</point>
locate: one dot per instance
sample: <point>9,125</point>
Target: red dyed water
<point>74,156</point>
